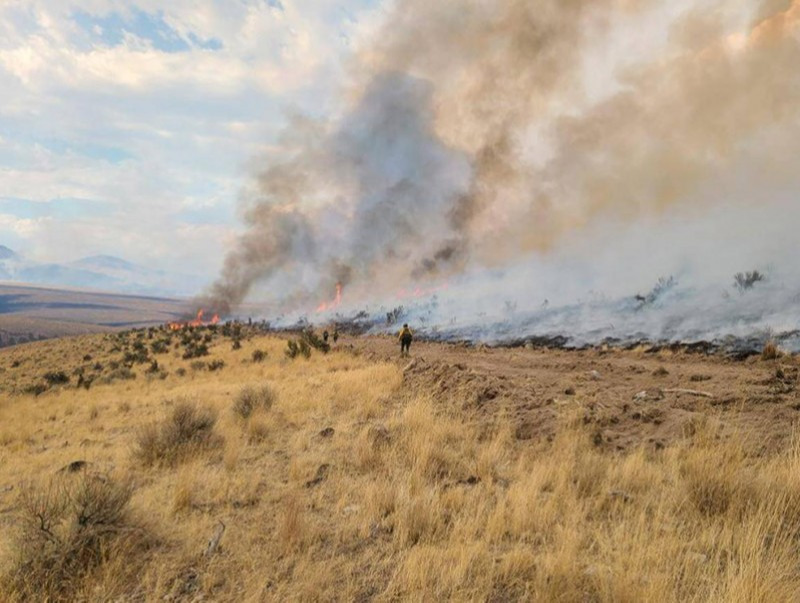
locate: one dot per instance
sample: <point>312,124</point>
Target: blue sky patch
<point>65,208</point>
<point>110,31</point>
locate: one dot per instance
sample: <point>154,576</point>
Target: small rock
<point>327,432</point>
<point>594,375</point>
<point>660,372</point>
<point>570,391</point>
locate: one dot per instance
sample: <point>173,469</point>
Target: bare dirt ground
<point>629,397</point>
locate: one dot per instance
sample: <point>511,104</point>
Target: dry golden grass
<point>346,487</point>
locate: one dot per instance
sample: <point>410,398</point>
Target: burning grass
<point>357,485</point>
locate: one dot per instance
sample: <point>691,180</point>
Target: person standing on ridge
<point>325,336</point>
<point>405,336</point>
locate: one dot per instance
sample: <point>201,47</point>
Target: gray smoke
<point>489,138</point>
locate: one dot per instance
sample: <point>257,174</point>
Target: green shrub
<point>314,341</point>
<point>297,348</point>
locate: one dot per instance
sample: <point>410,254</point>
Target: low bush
<point>122,373</point>
<point>216,365</point>
<point>159,347</point>
<point>195,351</point>
<point>770,351</point>
<point>314,341</point>
<point>259,355</point>
<point>744,281</point>
<point>251,398</point>
<point>35,389</point>
<point>297,348</point>
<point>189,429</point>
<point>67,530</point>
<point>136,357</point>
<point>56,378</point>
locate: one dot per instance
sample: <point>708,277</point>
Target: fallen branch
<point>688,392</point>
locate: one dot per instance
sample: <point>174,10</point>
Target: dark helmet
<point>405,326</point>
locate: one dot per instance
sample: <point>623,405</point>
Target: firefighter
<point>335,334</point>
<point>325,336</point>
<point>405,336</point>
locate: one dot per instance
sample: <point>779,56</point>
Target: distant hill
<point>101,272</point>
<point>7,254</point>
<point>29,312</point>
<point>105,262</point>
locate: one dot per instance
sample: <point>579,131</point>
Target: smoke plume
<point>485,143</point>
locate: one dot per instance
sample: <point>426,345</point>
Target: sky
<point>129,128</point>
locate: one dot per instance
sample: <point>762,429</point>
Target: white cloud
<point>95,108</point>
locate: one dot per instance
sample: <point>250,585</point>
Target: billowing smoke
<point>529,151</point>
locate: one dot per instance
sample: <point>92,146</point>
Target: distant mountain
<point>7,254</point>
<point>104,262</point>
<point>65,276</point>
<point>10,262</point>
<point>101,272</point>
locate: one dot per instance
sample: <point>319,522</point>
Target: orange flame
<point>197,322</point>
<point>337,301</point>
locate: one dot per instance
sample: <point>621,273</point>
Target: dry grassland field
<point>208,465</point>
<point>30,312</point>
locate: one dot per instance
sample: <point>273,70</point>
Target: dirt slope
<point>628,396</point>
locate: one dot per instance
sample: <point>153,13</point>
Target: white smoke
<point>572,152</point>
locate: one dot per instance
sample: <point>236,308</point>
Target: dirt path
<point>629,397</point>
